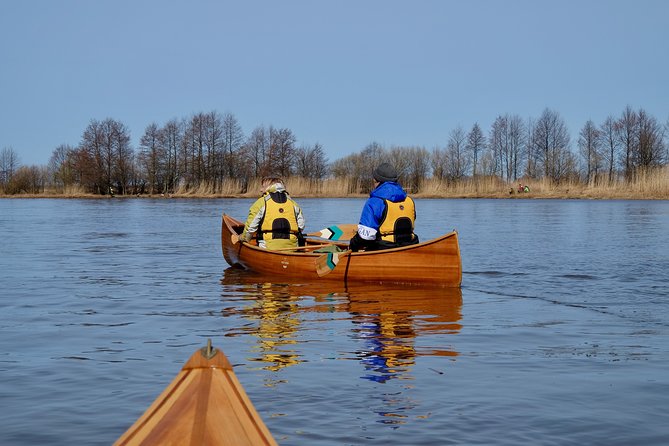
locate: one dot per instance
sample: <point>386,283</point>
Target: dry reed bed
<point>654,185</point>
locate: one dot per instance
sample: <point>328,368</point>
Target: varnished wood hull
<point>434,263</point>
<point>204,405</point>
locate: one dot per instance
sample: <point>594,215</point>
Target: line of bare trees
<point>183,154</point>
<point>514,148</point>
<point>208,149</point>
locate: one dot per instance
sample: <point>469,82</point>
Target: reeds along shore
<point>651,186</point>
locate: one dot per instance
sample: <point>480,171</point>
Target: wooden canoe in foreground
<point>204,405</point>
<point>434,262</point>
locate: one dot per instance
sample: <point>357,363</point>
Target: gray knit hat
<point>385,172</point>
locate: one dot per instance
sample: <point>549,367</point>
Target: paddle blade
<point>328,261</point>
<point>234,238</point>
<point>337,232</point>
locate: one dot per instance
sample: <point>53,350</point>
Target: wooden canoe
<point>435,262</point>
<point>204,405</point>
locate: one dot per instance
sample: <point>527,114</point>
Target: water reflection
<point>387,321</point>
<point>275,311</point>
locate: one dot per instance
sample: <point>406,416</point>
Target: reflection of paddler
<point>389,321</point>
<point>389,344</point>
<point>275,310</point>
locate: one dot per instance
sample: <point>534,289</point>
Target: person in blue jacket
<point>388,217</point>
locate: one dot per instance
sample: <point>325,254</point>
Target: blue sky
<point>339,73</point>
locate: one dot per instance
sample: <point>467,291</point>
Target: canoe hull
<point>204,405</point>
<point>435,262</point>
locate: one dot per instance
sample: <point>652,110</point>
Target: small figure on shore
<point>522,188</point>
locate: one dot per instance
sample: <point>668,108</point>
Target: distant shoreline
<point>570,195</point>
<point>652,185</point>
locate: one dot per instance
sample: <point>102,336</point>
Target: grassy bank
<point>651,186</point>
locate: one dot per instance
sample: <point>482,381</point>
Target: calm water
<point>558,336</point>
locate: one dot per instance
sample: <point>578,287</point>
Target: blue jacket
<point>372,212</point>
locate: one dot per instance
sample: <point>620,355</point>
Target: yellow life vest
<point>397,223</point>
<point>279,221</point>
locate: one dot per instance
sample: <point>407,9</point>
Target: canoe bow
<point>204,405</point>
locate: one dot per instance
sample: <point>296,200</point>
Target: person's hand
<point>246,237</point>
<point>356,243</point>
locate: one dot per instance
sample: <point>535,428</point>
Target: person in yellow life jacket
<point>275,218</point>
<point>387,219</point>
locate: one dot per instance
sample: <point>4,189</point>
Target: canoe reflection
<point>387,320</point>
<point>275,310</point>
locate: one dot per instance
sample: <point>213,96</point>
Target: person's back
<point>387,219</point>
<point>275,217</point>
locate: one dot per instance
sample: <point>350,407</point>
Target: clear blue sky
<point>339,73</point>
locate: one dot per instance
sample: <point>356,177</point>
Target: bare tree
<point>152,157</point>
<point>108,151</point>
<point>349,168</point>
<point>233,139</point>
<point>497,145</point>
<point>201,150</point>
<point>400,158</point>
<point>651,149</point>
<point>438,160</point>
<point>507,139</point>
<point>358,167</point>
<point>194,149</point>
<point>84,170</point>
<point>27,180</point>
<point>551,145</point>
<point>517,141</point>
<point>412,164</point>
<point>627,137</point>
<point>610,145</point>
<point>371,156</point>
<point>93,166</point>
<point>458,159</point>
<point>107,156</point>
<point>172,136</point>
<point>310,162</point>
<point>589,147</point>
<point>123,155</point>
<point>214,148</point>
<point>281,151</point>
<point>532,168</point>
<point>61,167</point>
<point>417,168</point>
<point>257,150</point>
<point>476,144</point>
<point>9,163</point>
<point>487,164</point>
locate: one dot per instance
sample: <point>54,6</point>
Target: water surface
<point>558,335</point>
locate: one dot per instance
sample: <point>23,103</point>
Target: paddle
<point>328,261</point>
<point>344,231</point>
<point>336,232</point>
<point>293,248</point>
